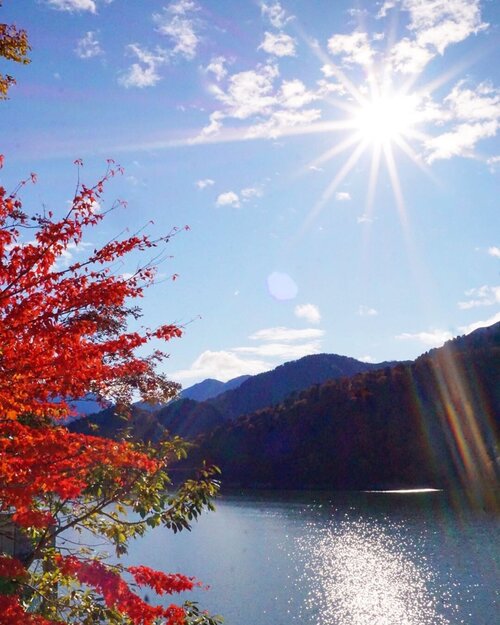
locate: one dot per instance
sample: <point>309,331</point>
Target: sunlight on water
<point>359,574</point>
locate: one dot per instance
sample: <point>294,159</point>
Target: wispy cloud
<point>284,334</point>
<point>255,95</point>
<point>88,46</point>
<point>221,365</point>
<point>480,324</point>
<point>206,182</point>
<point>282,351</point>
<point>481,296</point>
<point>494,251</point>
<point>364,219</point>
<point>278,44</point>
<point>343,196</point>
<point>431,338</point>
<point>367,311</point>
<point>472,115</point>
<point>277,345</point>
<point>309,312</point>
<point>353,49</point>
<point>217,67</point>
<point>250,192</point>
<point>179,24</point>
<point>275,13</point>
<point>73,5</point>
<point>145,72</point>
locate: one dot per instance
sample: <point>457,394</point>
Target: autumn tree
<point>64,334</point>
<point>14,46</point>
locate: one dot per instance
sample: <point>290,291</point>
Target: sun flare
<point>386,118</point>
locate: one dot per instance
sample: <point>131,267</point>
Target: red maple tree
<point>63,334</point>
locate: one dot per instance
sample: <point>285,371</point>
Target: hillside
<point>189,419</point>
<point>431,422</point>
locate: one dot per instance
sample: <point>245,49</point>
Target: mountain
<point>432,422</point>
<point>211,388</point>
<point>189,419</point>
<point>199,392</point>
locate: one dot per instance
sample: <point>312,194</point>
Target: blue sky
<point>337,163</point>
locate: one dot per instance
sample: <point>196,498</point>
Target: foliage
<point>14,46</point>
<point>63,334</point>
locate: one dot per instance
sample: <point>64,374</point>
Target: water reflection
<point>360,574</point>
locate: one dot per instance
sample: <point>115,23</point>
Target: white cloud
<point>275,13</point>
<point>250,192</point>
<point>364,219</point>
<point>281,122</point>
<point>315,168</point>
<point>434,25</point>
<point>73,5</point>
<point>178,23</point>
<point>440,23</point>
<point>409,57</point>
<point>366,358</point>
<point>460,141</point>
<point>388,4</point>
<point>480,324</point>
<point>88,46</point>
<point>366,311</point>
<point>471,114</point>
<point>282,351</point>
<point>353,49</point>
<point>494,251</point>
<point>221,365</point>
<point>229,198</point>
<point>249,93</point>
<point>479,104</point>
<point>481,296</point>
<point>206,182</point>
<point>342,196</point>
<point>275,109</point>
<point>293,94</point>
<point>309,312</point>
<point>145,73</point>
<point>214,126</point>
<point>284,334</point>
<point>278,44</point>
<point>432,338</point>
<point>217,67</point>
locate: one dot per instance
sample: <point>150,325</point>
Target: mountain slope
<point>431,422</point>
<point>259,391</point>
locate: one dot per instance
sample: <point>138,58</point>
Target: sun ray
<point>332,152</point>
<point>410,152</point>
<point>333,186</point>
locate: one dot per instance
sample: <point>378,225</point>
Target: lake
<point>337,559</point>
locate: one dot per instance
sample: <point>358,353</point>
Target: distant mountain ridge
<point>189,419</point>
<point>209,388</point>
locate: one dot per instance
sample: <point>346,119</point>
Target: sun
<point>385,118</point>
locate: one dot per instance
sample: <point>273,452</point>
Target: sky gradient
<point>337,163</point>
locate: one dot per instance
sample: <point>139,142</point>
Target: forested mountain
<point>189,419</point>
<point>431,422</point>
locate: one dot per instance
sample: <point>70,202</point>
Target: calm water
<point>342,559</point>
